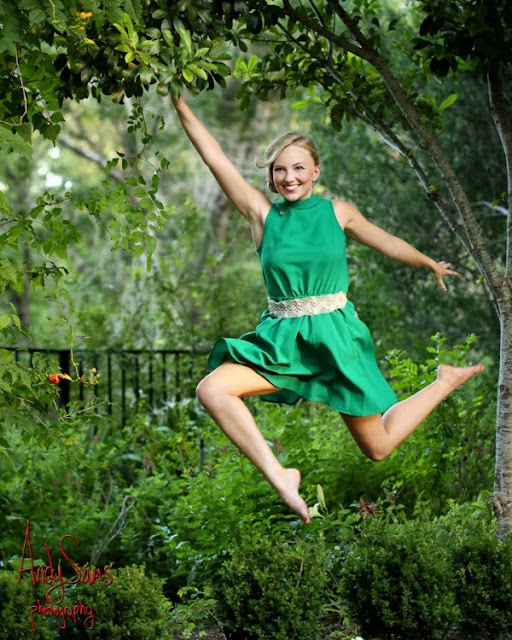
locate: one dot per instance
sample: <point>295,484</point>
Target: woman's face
<point>294,173</point>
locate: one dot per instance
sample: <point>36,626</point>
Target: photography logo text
<point>52,574</point>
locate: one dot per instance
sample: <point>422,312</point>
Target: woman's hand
<point>440,270</point>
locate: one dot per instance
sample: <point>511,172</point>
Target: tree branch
<point>89,154</point>
<point>500,211</point>
<point>343,43</point>
<point>503,124</point>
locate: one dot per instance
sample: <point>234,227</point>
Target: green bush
<point>271,590</point>
<point>450,578</point>
<point>397,581</point>
<point>133,601</point>
<point>16,598</point>
<point>483,565</point>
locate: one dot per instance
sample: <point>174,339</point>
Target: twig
<point>24,92</point>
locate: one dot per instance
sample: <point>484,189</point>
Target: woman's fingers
<point>442,272</point>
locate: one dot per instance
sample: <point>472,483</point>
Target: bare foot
<point>288,489</point>
<point>454,377</point>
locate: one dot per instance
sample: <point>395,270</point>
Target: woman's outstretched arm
<point>252,203</point>
<point>356,226</point>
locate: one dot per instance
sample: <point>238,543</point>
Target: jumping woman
<point>310,343</point>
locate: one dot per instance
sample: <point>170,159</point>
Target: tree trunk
<point>501,501</point>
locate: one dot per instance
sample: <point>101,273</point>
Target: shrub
<point>397,581</point>
<point>16,598</point>
<point>132,601</point>
<point>483,565</point>
<point>450,578</point>
<point>271,589</point>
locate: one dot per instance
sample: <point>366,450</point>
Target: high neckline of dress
<point>306,203</point>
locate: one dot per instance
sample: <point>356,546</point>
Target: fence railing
<point>126,380</point>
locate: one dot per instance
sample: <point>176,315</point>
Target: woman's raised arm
<point>252,203</point>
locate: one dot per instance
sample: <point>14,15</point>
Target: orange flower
<point>55,378</point>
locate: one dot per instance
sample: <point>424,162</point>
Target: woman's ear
<point>317,173</point>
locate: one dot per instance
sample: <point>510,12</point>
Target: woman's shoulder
<point>345,211</point>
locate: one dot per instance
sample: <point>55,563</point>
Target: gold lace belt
<point>312,306</point>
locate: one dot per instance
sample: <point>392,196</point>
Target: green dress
<point>328,357</point>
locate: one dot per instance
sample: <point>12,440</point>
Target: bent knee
<point>205,391</point>
<point>211,390</point>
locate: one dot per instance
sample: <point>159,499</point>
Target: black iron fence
<point>125,380</point>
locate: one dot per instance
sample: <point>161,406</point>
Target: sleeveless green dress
<point>328,357</point>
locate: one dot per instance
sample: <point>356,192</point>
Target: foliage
<point>149,503</point>
<point>16,598</point>
<point>482,564</point>
<point>479,35</point>
<point>196,611</point>
<point>412,579</point>
<point>271,588</point>
<point>121,475</point>
<point>404,583</point>
<point>450,456</point>
<point>131,601</point>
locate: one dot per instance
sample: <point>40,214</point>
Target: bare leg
<point>378,436</point>
<point>221,394</point>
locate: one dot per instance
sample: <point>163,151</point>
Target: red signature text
<point>53,575</point>
<point>63,613</point>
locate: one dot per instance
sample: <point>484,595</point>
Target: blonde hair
<point>275,148</point>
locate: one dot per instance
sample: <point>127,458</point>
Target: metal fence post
<point>64,366</point>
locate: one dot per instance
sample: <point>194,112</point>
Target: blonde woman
<point>310,343</point>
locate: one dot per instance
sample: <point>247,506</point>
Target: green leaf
<point>51,132</point>
<point>145,74</point>
<point>5,355</point>
<point>198,71</point>
<point>151,243</point>
<point>252,62</point>
<point>11,143</point>
<point>123,47</point>
<point>137,250</point>
<point>301,104</point>
<point>57,117</point>
<point>186,40</point>
<point>168,38</point>
<point>5,207</point>
<point>188,75</point>
<point>448,102</point>
<point>121,30</point>
<point>5,321</point>
<point>36,15</point>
